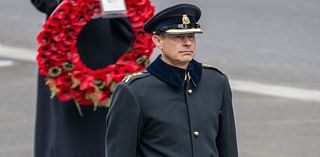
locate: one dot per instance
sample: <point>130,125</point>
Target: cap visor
<point>183,31</point>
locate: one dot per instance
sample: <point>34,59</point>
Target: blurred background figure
<point>59,129</point>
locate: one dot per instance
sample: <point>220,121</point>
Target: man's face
<point>177,49</point>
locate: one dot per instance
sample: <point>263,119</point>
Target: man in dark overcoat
<point>59,129</point>
<point>178,107</point>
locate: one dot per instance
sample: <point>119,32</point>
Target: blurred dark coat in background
<point>59,129</point>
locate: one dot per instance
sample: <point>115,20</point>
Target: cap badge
<point>185,19</point>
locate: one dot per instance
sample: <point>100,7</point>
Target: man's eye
<point>190,36</point>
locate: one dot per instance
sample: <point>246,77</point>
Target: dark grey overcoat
<point>171,112</point>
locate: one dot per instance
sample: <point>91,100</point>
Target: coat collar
<point>175,76</point>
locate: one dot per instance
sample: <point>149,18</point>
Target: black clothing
<point>46,6</point>
<point>173,75</point>
<point>151,115</point>
<point>60,130</point>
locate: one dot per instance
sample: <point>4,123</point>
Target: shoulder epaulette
<point>208,66</point>
<point>130,78</point>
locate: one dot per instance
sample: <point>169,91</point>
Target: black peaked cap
<point>171,19</point>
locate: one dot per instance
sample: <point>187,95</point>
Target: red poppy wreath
<point>59,61</point>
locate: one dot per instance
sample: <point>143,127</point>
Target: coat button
<point>196,133</point>
<point>189,91</point>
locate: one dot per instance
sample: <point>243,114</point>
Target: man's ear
<point>157,41</point>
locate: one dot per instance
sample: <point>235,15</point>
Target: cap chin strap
<point>179,26</point>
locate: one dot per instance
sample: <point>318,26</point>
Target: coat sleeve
<point>46,6</point>
<point>226,140</point>
<point>123,123</point>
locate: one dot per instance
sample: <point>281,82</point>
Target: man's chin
<point>187,58</point>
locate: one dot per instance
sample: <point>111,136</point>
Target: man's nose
<point>187,40</point>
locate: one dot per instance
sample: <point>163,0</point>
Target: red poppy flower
<point>96,8</point>
<point>64,94</point>
<point>87,13</point>
<point>54,22</point>
<point>44,38</point>
<point>124,59</point>
<point>49,27</point>
<point>80,97</point>
<point>103,97</point>
<point>128,68</point>
<point>141,2</point>
<point>73,3</point>
<point>62,12</point>
<point>64,81</point>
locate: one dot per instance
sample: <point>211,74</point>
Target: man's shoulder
<point>212,73</point>
<point>129,79</point>
<point>211,68</point>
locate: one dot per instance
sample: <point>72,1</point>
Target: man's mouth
<point>186,51</point>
